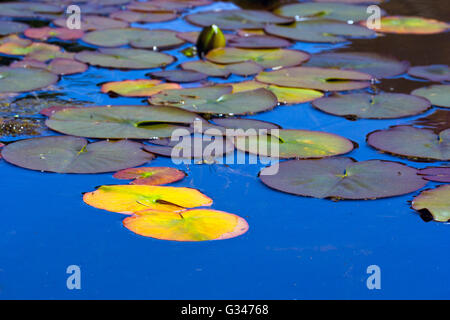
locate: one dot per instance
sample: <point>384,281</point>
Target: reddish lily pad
<point>166,5</point>
<point>189,225</point>
<point>439,95</point>
<point>219,70</point>
<point>129,199</point>
<point>138,88</point>
<point>45,33</point>
<point>316,78</point>
<point>411,25</point>
<point>179,75</point>
<point>51,110</point>
<point>259,42</point>
<point>11,27</point>
<point>343,178</point>
<point>236,19</point>
<point>144,17</point>
<point>434,202</point>
<point>122,58</point>
<point>60,66</point>
<point>74,155</point>
<point>434,72</point>
<point>326,31</point>
<point>23,80</point>
<point>374,64</point>
<point>438,174</point>
<point>413,143</point>
<point>152,176</point>
<point>91,23</point>
<point>368,106</point>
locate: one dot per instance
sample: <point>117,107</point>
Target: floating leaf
<point>135,37</point>
<point>413,143</point>
<point>150,175</point>
<point>438,174</point>
<point>439,95</point>
<point>236,19</point>
<point>22,80</point>
<point>45,33</point>
<point>192,36</point>
<point>166,5</point>
<point>90,23</point>
<point>60,66</point>
<point>74,155</point>
<point>244,124</point>
<point>26,48</point>
<point>343,178</point>
<point>268,58</point>
<point>374,64</point>
<point>138,88</point>
<point>335,11</point>
<point>220,70</point>
<point>144,17</point>
<point>127,122</point>
<point>29,10</point>
<point>411,25</point>
<point>368,106</point>
<point>285,95</point>
<point>434,72</point>
<point>10,27</point>
<point>295,144</point>
<point>215,100</point>
<point>189,225</point>
<point>327,31</point>
<point>51,110</point>
<point>434,202</point>
<point>259,42</point>
<point>122,58</point>
<point>128,199</point>
<point>179,75</point>
<point>316,78</point>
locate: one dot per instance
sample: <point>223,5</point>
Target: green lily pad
<point>236,19</point>
<point>144,17</point>
<point>259,42</point>
<point>327,31</point>
<point>335,11</point>
<point>244,124</point>
<point>438,174</point>
<point>92,22</point>
<point>10,27</point>
<point>365,105</point>
<point>343,178</point>
<point>217,100</point>
<point>219,70</point>
<point>268,58</point>
<point>60,66</point>
<point>434,202</point>
<point>29,10</point>
<point>374,64</point>
<point>27,47</point>
<point>122,58</point>
<point>413,143</point>
<point>137,88</point>
<point>121,122</point>
<point>411,25</point>
<point>439,95</point>
<point>316,78</point>
<point>434,72</point>
<point>22,80</point>
<point>135,37</point>
<point>74,155</point>
<point>179,75</point>
<point>288,144</point>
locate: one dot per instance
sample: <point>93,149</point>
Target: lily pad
<point>326,31</point>
<point>135,37</point>
<point>179,75</point>
<point>10,27</point>
<point>288,144</point>
<point>236,19</point>
<point>374,64</point>
<point>285,95</point>
<point>316,78</point>
<point>259,42</point>
<point>189,225</point>
<point>268,58</point>
<point>435,202</point>
<point>60,66</point>
<point>166,5</point>
<point>435,72</point>
<point>219,70</point>
<point>438,174</point>
<point>151,176</point>
<point>23,80</point>
<point>29,10</point>
<point>344,178</point>
<point>192,36</point>
<point>439,95</point>
<point>91,23</point>
<point>138,88</point>
<point>330,10</point>
<point>45,33</point>
<point>413,143</point>
<point>128,199</point>
<point>411,25</point>
<point>215,100</point>
<point>245,124</point>
<point>26,48</point>
<point>74,155</point>
<point>368,106</point>
<point>122,58</point>
<point>144,17</point>
<point>127,122</point>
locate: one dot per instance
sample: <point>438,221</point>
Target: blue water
<point>296,248</point>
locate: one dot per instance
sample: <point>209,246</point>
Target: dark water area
<point>296,248</point>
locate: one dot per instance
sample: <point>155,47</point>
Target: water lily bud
<point>210,38</point>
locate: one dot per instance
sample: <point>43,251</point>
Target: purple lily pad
<point>438,174</point>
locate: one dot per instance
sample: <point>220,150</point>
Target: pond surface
<point>296,247</point>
